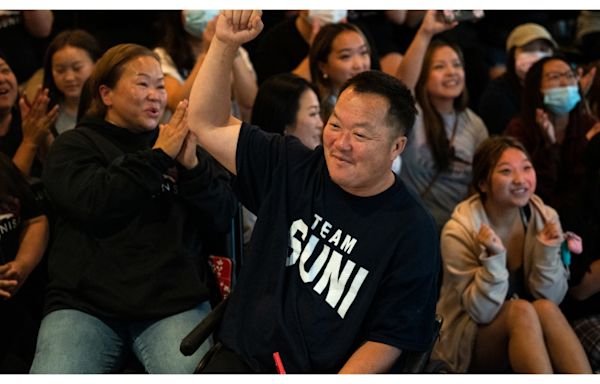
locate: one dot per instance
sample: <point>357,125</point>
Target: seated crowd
<point>381,183</point>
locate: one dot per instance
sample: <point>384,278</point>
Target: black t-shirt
<point>14,210</point>
<point>19,315</point>
<point>327,270</point>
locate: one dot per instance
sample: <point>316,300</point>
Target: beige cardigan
<point>474,285</point>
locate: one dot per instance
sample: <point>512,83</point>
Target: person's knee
<point>157,344</point>
<point>171,363</point>
<point>71,341</point>
<point>165,357</point>
<point>522,316</point>
<point>548,311</point>
<point>546,307</point>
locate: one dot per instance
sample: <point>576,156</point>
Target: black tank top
<point>516,279</point>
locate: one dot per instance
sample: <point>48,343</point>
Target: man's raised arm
<point>210,99</point>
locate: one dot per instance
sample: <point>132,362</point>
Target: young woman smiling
<point>70,59</point>
<point>440,148</point>
<point>340,51</point>
<point>503,274</point>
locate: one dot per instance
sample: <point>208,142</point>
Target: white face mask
<point>327,16</point>
<point>524,61</point>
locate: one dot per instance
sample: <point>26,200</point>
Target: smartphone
<point>462,15</point>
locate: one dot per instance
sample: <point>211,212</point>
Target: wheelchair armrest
<point>203,330</point>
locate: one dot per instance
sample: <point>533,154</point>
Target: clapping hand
<point>171,135</point>
<point>36,120</point>
<point>586,79</point>
<point>593,131</point>
<point>187,156</point>
<point>543,120</point>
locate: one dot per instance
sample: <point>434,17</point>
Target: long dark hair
<point>77,38</point>
<point>533,98</point>
<point>432,119</point>
<point>321,48</point>
<point>278,100</point>
<point>593,96</point>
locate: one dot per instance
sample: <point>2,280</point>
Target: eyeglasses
<point>555,76</point>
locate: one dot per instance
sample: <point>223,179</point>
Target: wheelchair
<point>408,362</point>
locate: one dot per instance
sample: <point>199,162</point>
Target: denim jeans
<point>71,341</point>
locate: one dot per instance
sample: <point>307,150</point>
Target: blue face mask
<point>195,20</point>
<point>562,100</point>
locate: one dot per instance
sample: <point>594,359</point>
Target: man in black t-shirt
<point>342,274</point>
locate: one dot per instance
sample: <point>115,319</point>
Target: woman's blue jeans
<point>71,341</point>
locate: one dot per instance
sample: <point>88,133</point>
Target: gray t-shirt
<point>451,186</point>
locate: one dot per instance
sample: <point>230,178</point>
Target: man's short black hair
<point>402,112</point>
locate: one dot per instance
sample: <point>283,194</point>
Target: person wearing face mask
<point>555,128</point>
<point>285,47</point>
<point>501,100</point>
<point>187,36</point>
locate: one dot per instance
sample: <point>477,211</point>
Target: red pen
<point>278,363</point>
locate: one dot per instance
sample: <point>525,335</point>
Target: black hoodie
<point>127,243</point>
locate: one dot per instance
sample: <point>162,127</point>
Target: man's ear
<point>398,146</point>
<point>106,95</point>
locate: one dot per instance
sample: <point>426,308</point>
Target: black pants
<point>18,336</point>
